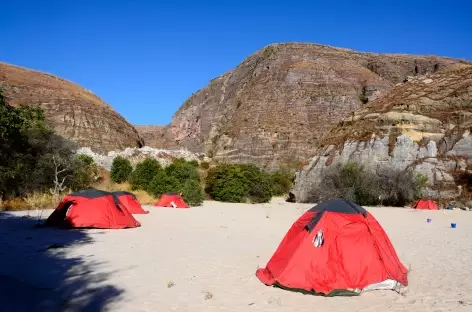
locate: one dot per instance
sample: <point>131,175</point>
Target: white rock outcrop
<point>135,155</point>
<point>375,154</point>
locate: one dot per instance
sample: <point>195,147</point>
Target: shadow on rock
<point>38,274</point>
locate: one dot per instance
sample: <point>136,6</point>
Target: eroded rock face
<point>278,103</point>
<point>423,124</point>
<point>152,135</point>
<point>74,112</point>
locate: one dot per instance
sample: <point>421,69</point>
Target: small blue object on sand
<point>428,220</point>
<point>453,225</point>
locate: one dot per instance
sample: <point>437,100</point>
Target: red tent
<point>426,204</point>
<point>92,209</point>
<point>130,201</point>
<point>169,200</point>
<point>336,247</point>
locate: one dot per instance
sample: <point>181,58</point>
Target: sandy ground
<point>205,258</point>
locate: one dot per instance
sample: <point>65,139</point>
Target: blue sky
<point>146,57</point>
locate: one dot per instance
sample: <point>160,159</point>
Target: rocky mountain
<point>74,112</point>
<point>152,135</point>
<point>424,123</point>
<point>276,106</point>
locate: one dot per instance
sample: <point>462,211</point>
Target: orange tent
<point>171,200</point>
<point>426,205</point>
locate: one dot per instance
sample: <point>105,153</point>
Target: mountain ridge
<point>424,124</point>
<point>308,86</point>
<point>73,112</point>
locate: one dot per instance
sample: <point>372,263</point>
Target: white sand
<point>211,253</point>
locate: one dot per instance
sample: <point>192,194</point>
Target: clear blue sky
<point>146,57</point>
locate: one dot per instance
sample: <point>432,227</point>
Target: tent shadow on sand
<point>37,274</point>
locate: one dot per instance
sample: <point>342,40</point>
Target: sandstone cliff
<point>152,135</point>
<point>424,123</point>
<point>74,112</point>
<point>277,104</point>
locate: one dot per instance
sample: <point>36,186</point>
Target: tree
<point>121,169</point>
<point>281,181</point>
<point>86,172</point>
<point>183,170</point>
<point>238,183</point>
<point>163,183</point>
<point>193,192</point>
<point>143,174</point>
<point>18,156</point>
<point>33,159</point>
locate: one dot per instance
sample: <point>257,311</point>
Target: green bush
<point>32,157</point>
<point>238,183</point>
<point>183,170</point>
<point>143,174</point>
<point>86,172</point>
<point>260,191</point>
<point>34,160</point>
<point>121,169</point>
<point>281,181</point>
<point>163,183</point>
<point>193,192</point>
<point>354,182</point>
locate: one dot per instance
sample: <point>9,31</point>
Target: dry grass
<point>31,202</point>
<point>15,204</point>
<point>143,197</point>
<point>48,201</point>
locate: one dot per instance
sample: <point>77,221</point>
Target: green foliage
<point>121,169</point>
<point>85,173</point>
<point>143,174</point>
<point>281,181</point>
<point>186,173</point>
<point>179,177</point>
<point>85,160</point>
<point>358,184</point>
<point>238,183</point>
<point>193,192</point>
<point>32,157</point>
<point>163,183</point>
<point>421,180</point>
<point>183,170</point>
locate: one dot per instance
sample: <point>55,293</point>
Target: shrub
<point>163,183</point>
<point>143,174</point>
<point>121,169</point>
<point>193,192</point>
<point>183,170</point>
<point>238,183</point>
<point>86,173</point>
<point>260,191</point>
<point>354,182</point>
<point>281,181</point>
<point>32,158</point>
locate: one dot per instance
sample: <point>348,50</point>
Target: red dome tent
<point>130,201</point>
<point>91,209</point>
<point>426,205</point>
<point>171,200</point>
<point>335,248</point>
